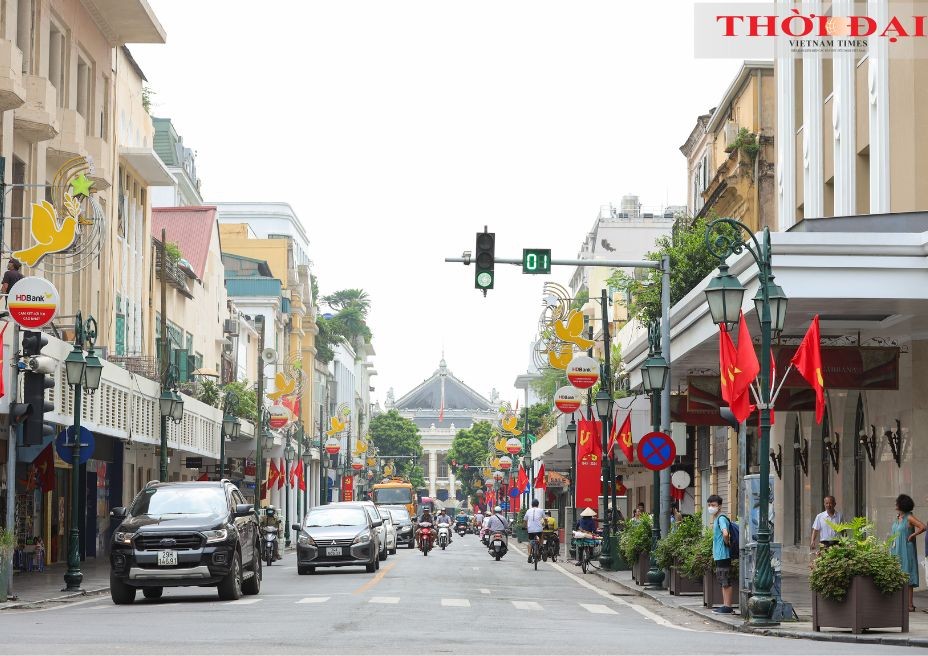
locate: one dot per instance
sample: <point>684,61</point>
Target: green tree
<point>209,393</point>
<point>539,418</point>
<point>551,380</point>
<point>246,404</point>
<point>349,298</point>
<point>471,447</point>
<point>690,262</point>
<point>394,435</point>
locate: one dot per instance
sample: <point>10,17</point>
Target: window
<point>120,327</point>
<point>442,466</point>
<point>84,104</point>
<point>58,61</point>
<point>121,208</point>
<point>25,34</point>
<point>105,110</point>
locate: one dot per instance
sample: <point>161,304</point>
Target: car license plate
<point>167,558</point>
<point>333,551</point>
<point>497,543</point>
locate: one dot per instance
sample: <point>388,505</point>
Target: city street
<point>456,601</point>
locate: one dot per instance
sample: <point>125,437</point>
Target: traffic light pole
<point>11,455</point>
<point>614,264</point>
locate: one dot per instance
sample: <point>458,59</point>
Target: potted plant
<point>673,548</point>
<point>520,529</point>
<point>857,583</point>
<point>699,563</point>
<point>635,544</point>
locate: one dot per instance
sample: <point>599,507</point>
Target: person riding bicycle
<point>534,524</point>
<point>444,519</point>
<point>587,521</point>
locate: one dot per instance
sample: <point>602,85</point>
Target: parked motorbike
<point>426,538</point>
<point>269,544</point>
<point>498,544</point>
<point>444,536</point>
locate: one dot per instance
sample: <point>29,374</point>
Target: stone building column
<point>433,473</point>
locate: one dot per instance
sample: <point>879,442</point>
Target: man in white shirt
<point>822,533</point>
<point>534,524</point>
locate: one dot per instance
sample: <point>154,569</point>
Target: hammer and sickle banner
<point>589,463</point>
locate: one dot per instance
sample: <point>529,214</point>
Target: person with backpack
<point>725,542</point>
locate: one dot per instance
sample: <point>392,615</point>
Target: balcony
<point>100,152</point>
<point>12,92</point>
<point>70,141</point>
<point>37,119</point>
<point>126,21</point>
<point>171,274</point>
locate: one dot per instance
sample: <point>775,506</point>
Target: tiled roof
<point>191,228</point>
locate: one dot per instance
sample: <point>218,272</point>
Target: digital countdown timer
<point>536,260</point>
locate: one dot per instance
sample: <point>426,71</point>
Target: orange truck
<point>396,492</point>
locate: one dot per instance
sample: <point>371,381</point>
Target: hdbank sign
<point>33,302</point>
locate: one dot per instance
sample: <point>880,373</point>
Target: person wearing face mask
<point>720,552</point>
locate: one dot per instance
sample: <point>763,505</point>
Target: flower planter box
<point>521,534</point>
<point>640,568</point>
<point>680,584</point>
<point>864,607</point>
<point>711,590</point>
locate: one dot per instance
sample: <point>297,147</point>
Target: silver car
<point>380,524</point>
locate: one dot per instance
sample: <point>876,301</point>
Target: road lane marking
<point>527,605</point>
<point>459,603</point>
<point>243,602</point>
<point>313,600</point>
<point>484,591</point>
<point>377,579</point>
<point>383,600</point>
<point>599,609</point>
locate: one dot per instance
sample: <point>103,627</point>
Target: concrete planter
<point>680,584</point>
<point>521,534</point>
<point>864,607</point>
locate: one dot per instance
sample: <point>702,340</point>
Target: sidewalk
<point>33,587</point>
<point>795,589</point>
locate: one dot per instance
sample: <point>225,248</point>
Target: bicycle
<point>585,548</point>
<point>535,551</point>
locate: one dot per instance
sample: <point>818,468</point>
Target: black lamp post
<point>653,379</point>
<point>231,428</point>
<point>725,294</point>
<point>571,432</point>
<point>171,405</point>
<point>289,453</point>
<point>81,373</point>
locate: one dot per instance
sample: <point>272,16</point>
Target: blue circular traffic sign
<point>64,445</point>
<point>656,451</point>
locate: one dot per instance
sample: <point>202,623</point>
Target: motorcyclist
<point>444,519</point>
<point>549,530</point>
<point>425,521</point>
<point>497,521</point>
<point>478,520</point>
<point>272,518</point>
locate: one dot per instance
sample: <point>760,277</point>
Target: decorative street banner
<point>347,488</point>
<point>567,399</point>
<point>33,302</point>
<point>589,464</point>
<point>583,372</point>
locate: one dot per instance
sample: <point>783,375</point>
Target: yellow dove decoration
<point>571,330</point>
<point>371,462</point>
<point>495,463</point>
<point>360,446</point>
<point>282,386</point>
<point>487,472</point>
<point>562,359</point>
<point>500,445</point>
<point>49,236</point>
<point>509,425</point>
<point>337,426</point>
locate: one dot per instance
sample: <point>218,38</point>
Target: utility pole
<point>11,452</point>
<point>165,354</point>
<point>259,405</point>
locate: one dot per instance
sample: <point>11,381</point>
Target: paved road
<point>461,593</point>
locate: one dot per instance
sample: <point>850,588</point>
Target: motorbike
<point>550,548</point>
<point>426,538</point>
<point>485,538</point>
<point>461,530</point>
<point>269,544</point>
<point>444,536</point>
<point>498,544</point>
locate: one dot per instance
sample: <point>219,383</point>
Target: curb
<point>74,596</point>
<point>895,639</point>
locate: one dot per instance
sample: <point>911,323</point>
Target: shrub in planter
<point>857,553</point>
<point>636,538</point>
<point>674,547</point>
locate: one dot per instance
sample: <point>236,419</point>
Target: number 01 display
<point>536,260</point>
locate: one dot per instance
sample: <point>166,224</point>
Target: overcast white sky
<point>397,129</point>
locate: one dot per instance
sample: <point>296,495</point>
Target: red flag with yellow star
<point>808,362</point>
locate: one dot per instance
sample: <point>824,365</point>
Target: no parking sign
<point>656,451</point>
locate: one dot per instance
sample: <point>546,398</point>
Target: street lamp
<point>171,405</point>
<point>604,403</point>
<point>571,432</point>
<point>86,373</point>
<point>289,453</point>
<point>231,428</point>
<point>725,237</point>
<point>654,377</point>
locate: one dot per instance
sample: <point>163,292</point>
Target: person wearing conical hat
<point>587,520</point>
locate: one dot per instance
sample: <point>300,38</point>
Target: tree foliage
<point>348,325</point>
<point>394,435</point>
<point>471,447</point>
<point>690,262</point>
<point>245,405</point>
<point>550,381</point>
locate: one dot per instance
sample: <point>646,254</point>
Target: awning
<point>148,165</point>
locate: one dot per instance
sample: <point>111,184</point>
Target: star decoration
<point>80,186</point>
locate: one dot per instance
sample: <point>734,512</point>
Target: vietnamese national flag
<point>625,438</point>
<point>808,362</point>
<point>283,475</point>
<point>522,480</point>
<point>540,478</point>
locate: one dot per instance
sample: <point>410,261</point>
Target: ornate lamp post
<point>654,378</point>
<point>171,405</point>
<point>571,432</point>
<point>231,428</point>
<point>289,453</point>
<point>725,294</point>
<point>604,404</point>
<point>81,373</point>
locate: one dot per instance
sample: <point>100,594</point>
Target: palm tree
<point>349,298</point>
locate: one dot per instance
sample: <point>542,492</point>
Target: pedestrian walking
<point>905,529</point>
<point>721,553</point>
<point>823,535</point>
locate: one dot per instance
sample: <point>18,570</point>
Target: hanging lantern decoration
<point>357,464</point>
<point>567,399</point>
<point>513,445</point>
<point>332,446</point>
<point>498,475</point>
<point>505,463</point>
<point>583,372</point>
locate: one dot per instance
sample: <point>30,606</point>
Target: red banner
<point>347,488</point>
<point>589,465</point>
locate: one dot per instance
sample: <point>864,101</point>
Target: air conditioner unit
<point>230,326</point>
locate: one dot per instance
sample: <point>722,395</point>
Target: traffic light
<point>484,258</point>
<point>36,381</point>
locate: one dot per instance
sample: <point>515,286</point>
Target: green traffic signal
<point>484,259</point>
